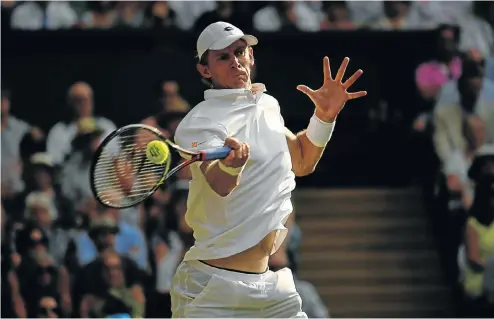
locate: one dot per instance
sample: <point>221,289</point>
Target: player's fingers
<point>233,143</point>
<point>352,79</point>
<point>230,157</point>
<point>246,150</point>
<point>356,95</point>
<point>239,153</point>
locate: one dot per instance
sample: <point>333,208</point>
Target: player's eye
<point>224,57</point>
<point>240,52</point>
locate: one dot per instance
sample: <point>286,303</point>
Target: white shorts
<point>202,291</point>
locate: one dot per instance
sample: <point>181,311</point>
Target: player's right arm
<point>223,176</point>
<point>200,133</point>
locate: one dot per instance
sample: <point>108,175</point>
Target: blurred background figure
<point>286,16</point>
<point>80,100</point>
<point>227,11</point>
<point>37,15</point>
<point>99,15</point>
<point>337,16</point>
<point>158,15</point>
<point>396,17</point>
<point>396,221</point>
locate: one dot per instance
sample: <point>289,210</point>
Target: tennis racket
<point>122,176</point>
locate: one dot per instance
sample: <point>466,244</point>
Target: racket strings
<point>123,175</point>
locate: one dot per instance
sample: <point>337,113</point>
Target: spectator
<point>74,177</point>
<point>396,17</point>
<point>159,15</point>
<point>479,237</point>
<point>431,76</point>
<point>442,12</point>
<point>38,276</point>
<point>457,166</point>
<point>337,16</point>
<point>364,11</point>
<point>41,211</point>
<point>14,131</point>
<point>39,176</point>
<point>110,285</point>
<point>188,11</point>
<point>476,32</point>
<point>130,14</point>
<point>286,16</point>
<point>167,251</point>
<point>80,99</point>
<point>448,121</point>
<point>172,100</point>
<point>172,108</point>
<point>108,231</point>
<point>100,15</point>
<point>224,11</point>
<point>36,15</point>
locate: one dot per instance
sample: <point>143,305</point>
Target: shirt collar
<point>254,89</point>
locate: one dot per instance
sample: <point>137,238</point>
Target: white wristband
<point>319,132</point>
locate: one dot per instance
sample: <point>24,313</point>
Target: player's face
<point>229,68</point>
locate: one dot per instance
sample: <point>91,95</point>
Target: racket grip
<point>215,154</point>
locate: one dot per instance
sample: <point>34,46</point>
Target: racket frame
<point>198,156</point>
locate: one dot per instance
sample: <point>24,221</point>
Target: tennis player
<point>237,207</point>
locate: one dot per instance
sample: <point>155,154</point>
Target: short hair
<point>203,60</point>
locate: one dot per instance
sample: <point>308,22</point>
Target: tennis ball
<point>157,152</point>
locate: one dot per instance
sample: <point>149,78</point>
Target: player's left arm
<point>307,147</point>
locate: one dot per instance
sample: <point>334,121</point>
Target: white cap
<point>219,35</point>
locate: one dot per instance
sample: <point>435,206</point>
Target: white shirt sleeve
<point>457,165</point>
<point>200,133</point>
<point>57,143</point>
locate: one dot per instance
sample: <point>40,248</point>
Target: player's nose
<point>235,62</point>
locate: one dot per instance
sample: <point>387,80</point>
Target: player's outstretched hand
<point>239,154</point>
<point>331,97</point>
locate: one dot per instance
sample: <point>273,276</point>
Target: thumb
<point>305,89</point>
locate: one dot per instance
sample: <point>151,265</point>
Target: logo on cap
<point>228,29</point>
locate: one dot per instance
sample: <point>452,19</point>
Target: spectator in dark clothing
<point>37,274</point>
<point>159,16</point>
<point>225,11</point>
<point>111,284</point>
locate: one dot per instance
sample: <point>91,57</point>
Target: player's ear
<point>203,70</point>
<point>251,56</point>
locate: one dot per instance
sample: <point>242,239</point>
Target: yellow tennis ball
<point>157,152</point>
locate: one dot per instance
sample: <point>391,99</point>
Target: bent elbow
<point>223,193</point>
<point>305,170</point>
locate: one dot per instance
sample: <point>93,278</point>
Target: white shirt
<point>224,226</point>
<point>30,16</point>
<point>59,140</point>
<point>268,19</point>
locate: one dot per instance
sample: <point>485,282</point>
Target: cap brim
<point>225,42</point>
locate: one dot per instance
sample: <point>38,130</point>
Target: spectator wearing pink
<point>431,76</point>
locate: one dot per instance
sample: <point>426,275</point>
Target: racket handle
<point>215,154</point>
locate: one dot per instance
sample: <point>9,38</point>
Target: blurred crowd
<point>65,255</point>
<point>475,18</point>
<point>454,130</point>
